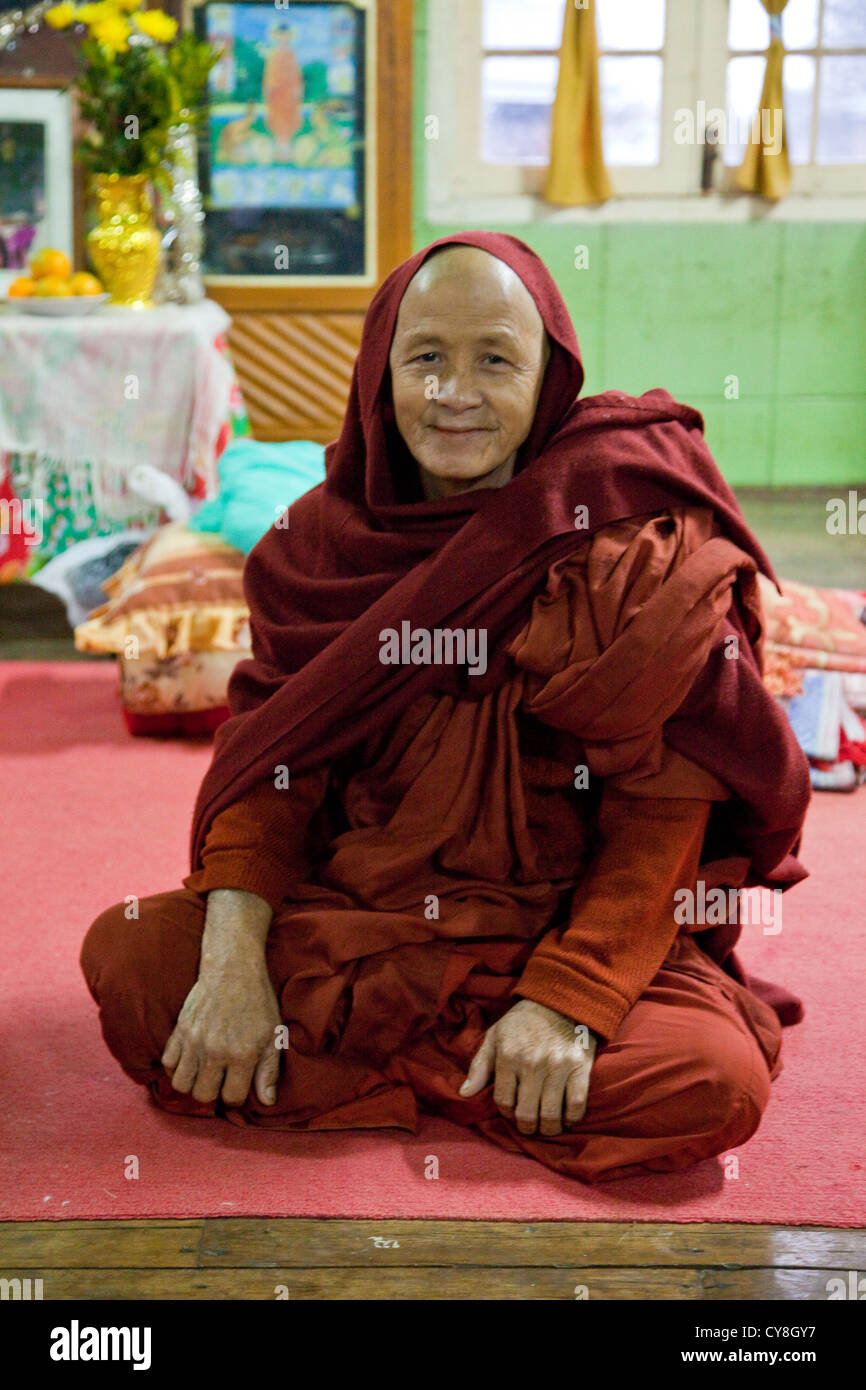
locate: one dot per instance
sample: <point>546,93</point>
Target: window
<point>518,83</point>
<point>823,76</point>
<point>492,70</point>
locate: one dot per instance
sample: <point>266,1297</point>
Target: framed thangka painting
<point>287,149</point>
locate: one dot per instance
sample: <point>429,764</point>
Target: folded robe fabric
<point>476,803</point>
<point>364,552</point>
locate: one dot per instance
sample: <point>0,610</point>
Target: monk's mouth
<point>478,429</point>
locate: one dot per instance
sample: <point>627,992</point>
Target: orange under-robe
<point>283,91</point>
<point>450,867</point>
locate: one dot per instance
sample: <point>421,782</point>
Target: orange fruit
<point>51,262</point>
<point>51,287</point>
<point>21,288</point>
<point>83,282</point>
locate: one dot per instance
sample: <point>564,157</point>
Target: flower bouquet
<point>138,83</point>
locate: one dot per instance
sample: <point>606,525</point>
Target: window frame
<point>812,178</point>
<point>673,171</point>
<point>464,189</point>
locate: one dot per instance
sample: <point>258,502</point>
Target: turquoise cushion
<point>257,482</point>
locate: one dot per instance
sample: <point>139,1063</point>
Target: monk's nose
<point>458,389</point>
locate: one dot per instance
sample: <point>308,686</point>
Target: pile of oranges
<point>51,276</point>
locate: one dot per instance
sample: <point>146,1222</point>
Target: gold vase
<point>124,246</point>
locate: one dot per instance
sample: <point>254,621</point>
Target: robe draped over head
<point>363,552</point>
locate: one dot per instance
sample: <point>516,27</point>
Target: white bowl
<point>60,307</point>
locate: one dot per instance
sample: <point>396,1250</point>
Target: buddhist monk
<point>503,716</point>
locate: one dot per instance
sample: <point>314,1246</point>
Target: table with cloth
<point>84,399</point>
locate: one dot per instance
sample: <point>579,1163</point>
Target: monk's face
<point>467,362</point>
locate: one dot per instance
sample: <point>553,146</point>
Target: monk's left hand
<point>542,1062</point>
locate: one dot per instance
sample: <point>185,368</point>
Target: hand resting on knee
<point>225,1035</point>
<point>541,1061</point>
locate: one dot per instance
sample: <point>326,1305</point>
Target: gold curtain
<point>577,173</point>
<point>762,171</point>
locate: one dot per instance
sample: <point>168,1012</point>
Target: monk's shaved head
<point>486,281</point>
<point>469,262</point>
<point>467,362</point>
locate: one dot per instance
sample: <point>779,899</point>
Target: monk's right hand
<point>226,1035</point>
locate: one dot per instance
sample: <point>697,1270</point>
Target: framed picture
<point>40,196</point>
<point>287,149</point>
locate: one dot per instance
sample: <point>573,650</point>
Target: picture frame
<point>288,147</point>
<point>39,183</point>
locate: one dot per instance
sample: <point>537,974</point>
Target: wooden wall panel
<point>295,371</point>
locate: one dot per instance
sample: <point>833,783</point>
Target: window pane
<point>842,111</point>
<point>627,24</point>
<point>630,24</point>
<point>745,80</point>
<point>519,24</point>
<point>749,27</point>
<point>844,24</point>
<point>631,103</point>
<point>798,88</point>
<point>800,24</point>
<point>516,99</point>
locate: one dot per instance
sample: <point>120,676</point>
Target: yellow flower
<point>92,14</point>
<point>112,32</point>
<point>61,16</point>
<point>157,25</point>
<point>128,5</point>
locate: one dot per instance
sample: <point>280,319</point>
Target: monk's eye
<point>426,356</point>
<point>494,358</point>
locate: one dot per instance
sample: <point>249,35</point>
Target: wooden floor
<point>304,1259</point>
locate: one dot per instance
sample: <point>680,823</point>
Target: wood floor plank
<point>249,1242</point>
<point>435,1284</point>
<point>85,1244</point>
<point>302,1243</point>
<point>399,1283</point>
<point>107,1223</point>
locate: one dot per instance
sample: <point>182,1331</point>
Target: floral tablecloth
<point>85,399</point>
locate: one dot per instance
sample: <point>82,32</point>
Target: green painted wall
<point>780,305</point>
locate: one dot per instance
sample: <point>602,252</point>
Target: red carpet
<point>91,815</point>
